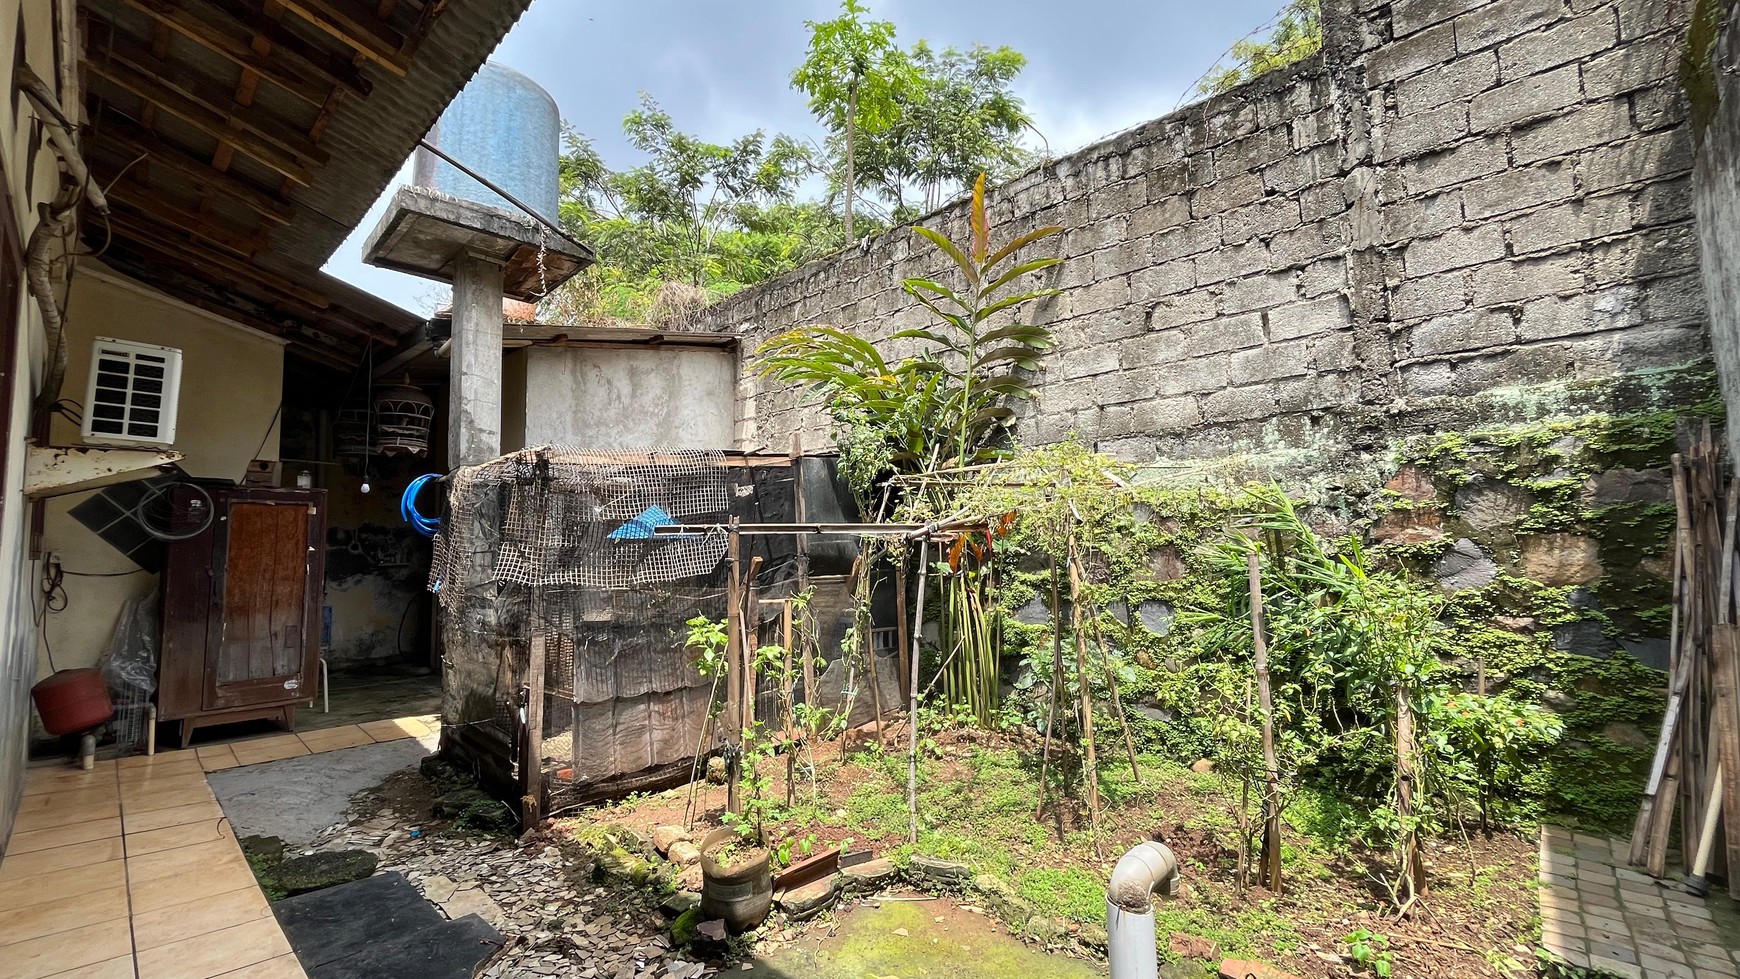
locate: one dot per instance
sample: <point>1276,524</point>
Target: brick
<point>1407,55</point>
<point>1253,152</point>
<point>1526,98</point>
<point>1499,282</point>
<point>1188,376</point>
<point>1087,361</point>
<point>1562,43</point>
<point>1317,391</point>
<point>1431,129</point>
<point>1190,307</point>
<point>1322,200</point>
<point>1323,278</point>
<point>1458,332</point>
<point>1663,202</point>
<point>1448,82</point>
<point>1556,317</point>
<point>1678,299</point>
<point>1469,161</point>
<point>1167,415</point>
<point>1515,190</point>
<point>1579,129</point>
<point>1168,212</point>
<point>1221,335</point>
<point>1496,22</point>
<point>1573,222</point>
<point>1633,161</point>
<point>1634,66</point>
<point>1118,198</point>
<point>1658,107</point>
<point>1107,294</point>
<point>1428,296</point>
<point>1223,127</point>
<point>1640,17</point>
<point>1197,236</point>
<point>1308,243</point>
<point>1232,261</point>
<point>1240,404</point>
<point>1308,319</point>
<point>1334,352</point>
<point>1269,214</point>
<point>1265,364</point>
<point>1455,249</point>
<point>1408,16</point>
<point>1165,279</point>
<point>1259,292</point>
<point>1423,216</point>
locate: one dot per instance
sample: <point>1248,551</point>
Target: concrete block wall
<point>1455,198</point>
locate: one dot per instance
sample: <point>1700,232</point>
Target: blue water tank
<point>506,127</point>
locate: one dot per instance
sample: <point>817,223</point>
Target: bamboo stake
<point>904,636</point>
<point>1056,684</point>
<point>733,670</point>
<point>1269,873</point>
<point>1413,863</point>
<point>802,543</point>
<point>1090,768</point>
<point>912,720</point>
<point>1117,701</point>
<point>786,683</point>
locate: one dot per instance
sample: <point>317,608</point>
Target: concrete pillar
<point>474,370</point>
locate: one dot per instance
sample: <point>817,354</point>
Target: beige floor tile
<point>72,855</point>
<point>66,950</point>
<point>53,817</point>
<point>332,739</point>
<point>41,781</point>
<point>282,967</point>
<point>166,758</point>
<point>150,780</point>
<point>87,797</point>
<point>200,858</point>
<point>269,741</point>
<point>43,839</point>
<point>25,891</point>
<point>199,916</point>
<point>143,822</point>
<point>164,892</point>
<point>217,757</point>
<point>214,953</point>
<point>119,967</point>
<point>62,914</point>
<point>170,837</point>
<point>393,730</point>
<point>167,797</point>
<point>251,753</point>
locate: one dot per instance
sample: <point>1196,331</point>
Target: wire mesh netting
<point>552,550</point>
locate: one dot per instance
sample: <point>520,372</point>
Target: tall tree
<point>1298,34</point>
<point>854,75</point>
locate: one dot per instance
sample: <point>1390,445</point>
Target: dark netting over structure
<point>549,556</point>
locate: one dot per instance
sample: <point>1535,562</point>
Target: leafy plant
<point>1370,952</point>
<point>1298,34</point>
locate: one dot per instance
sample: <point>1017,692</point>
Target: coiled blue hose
<point>427,526</point>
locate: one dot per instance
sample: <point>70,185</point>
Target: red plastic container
<point>72,700</point>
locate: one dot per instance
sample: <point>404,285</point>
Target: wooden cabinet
<point>241,608</point>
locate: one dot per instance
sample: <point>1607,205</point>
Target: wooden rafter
<point>355,24</point>
<point>134,196</point>
<point>234,40</point>
<point>265,139</point>
<point>157,236</point>
<point>127,137</point>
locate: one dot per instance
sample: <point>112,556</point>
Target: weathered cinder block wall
<point>1714,95</point>
<point>1455,200</point>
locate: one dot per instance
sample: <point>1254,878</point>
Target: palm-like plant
<point>948,405</point>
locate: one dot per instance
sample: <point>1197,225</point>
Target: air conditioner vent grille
<point>133,392</point>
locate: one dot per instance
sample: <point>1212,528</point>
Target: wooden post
<point>750,636</point>
<point>733,670</point>
<point>904,636</point>
<point>800,509</point>
<point>1056,683</point>
<point>532,803</point>
<point>790,734</point>
<point>912,725</point>
<point>1090,767</point>
<point>1413,864</point>
<point>1117,701</point>
<point>1269,871</point>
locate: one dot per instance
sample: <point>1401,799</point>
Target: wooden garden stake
<point>733,670</point>
<point>1269,873</point>
<point>1090,768</point>
<point>904,636</point>
<point>1117,701</point>
<point>790,719</point>
<point>802,543</point>
<point>912,716</point>
<point>1413,864</point>
<point>1056,685</point>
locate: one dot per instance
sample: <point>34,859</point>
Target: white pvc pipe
<point>1146,868</point>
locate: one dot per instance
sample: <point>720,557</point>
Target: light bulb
<point>365,486</point>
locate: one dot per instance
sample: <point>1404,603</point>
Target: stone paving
<point>1598,913</point>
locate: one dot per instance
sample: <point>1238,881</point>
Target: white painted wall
<point>32,175</point>
<point>626,397</point>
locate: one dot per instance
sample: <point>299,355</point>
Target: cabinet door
<point>258,648</point>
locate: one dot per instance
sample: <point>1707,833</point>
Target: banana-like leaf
<point>1008,301</point>
<point>1033,336</point>
<point>1017,272</point>
<point>951,250</point>
<point>913,285</point>
<point>1008,387</point>
<point>930,335</point>
<point>1019,243</point>
<point>1015,353</point>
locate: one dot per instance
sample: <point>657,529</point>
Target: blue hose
<point>427,526</point>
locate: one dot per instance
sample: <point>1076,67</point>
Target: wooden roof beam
<point>272,143</point>
<point>234,40</point>
<point>355,24</point>
<point>155,236</point>
<point>144,200</point>
<point>123,137</point>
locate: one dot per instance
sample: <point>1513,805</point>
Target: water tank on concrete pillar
<point>505,127</point>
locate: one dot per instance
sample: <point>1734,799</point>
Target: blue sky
<point>1094,68</point>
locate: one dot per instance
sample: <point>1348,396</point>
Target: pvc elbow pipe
<point>1146,868</point>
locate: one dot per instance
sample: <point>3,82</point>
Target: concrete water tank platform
<point>424,233</point>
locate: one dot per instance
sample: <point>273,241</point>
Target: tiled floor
<point>1597,912</point>
<point>130,871</point>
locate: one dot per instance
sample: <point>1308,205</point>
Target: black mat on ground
<point>450,950</point>
<point>380,927</point>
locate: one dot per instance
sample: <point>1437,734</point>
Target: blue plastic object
<point>641,527</point>
<point>427,526</point>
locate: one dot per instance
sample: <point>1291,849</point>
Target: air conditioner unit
<point>133,393</point>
